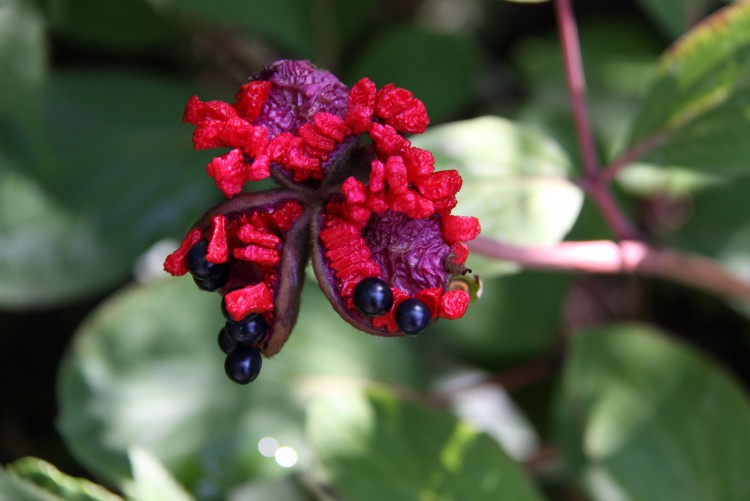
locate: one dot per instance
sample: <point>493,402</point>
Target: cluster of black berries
<point>373,297</point>
<point>236,339</point>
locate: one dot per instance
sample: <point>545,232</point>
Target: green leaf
<point>13,488</point>
<point>32,479</point>
<point>117,174</point>
<point>288,23</point>
<point>440,69</point>
<point>514,181</point>
<point>654,419</point>
<point>719,228</point>
<point>145,370</point>
<point>151,481</point>
<point>376,447</point>
<point>505,324</point>
<point>676,16</point>
<point>695,115</point>
<point>22,58</point>
<point>23,68</point>
<point>120,25</point>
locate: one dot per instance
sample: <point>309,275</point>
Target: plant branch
<point>571,49</point>
<point>630,155</point>
<point>627,256</point>
<point>594,184</point>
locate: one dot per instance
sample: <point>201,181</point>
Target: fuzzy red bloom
<point>400,109</point>
<point>357,197</point>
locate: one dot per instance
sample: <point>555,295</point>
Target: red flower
<point>376,211</point>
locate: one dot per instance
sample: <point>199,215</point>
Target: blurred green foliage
<point>98,179</point>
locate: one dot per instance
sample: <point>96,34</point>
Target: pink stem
<point>594,184</point>
<point>627,256</point>
<point>571,50</point>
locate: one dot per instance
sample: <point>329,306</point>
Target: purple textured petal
<point>299,90</point>
<point>410,252</point>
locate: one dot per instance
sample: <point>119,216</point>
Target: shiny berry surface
<point>373,297</point>
<point>243,365</point>
<point>208,276</point>
<point>226,343</point>
<point>413,316</point>
<point>250,330</point>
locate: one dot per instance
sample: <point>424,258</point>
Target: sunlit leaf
<point>377,447</point>
<point>514,181</point>
<point>119,173</point>
<point>654,419</point>
<point>151,481</point>
<point>32,479</point>
<point>146,370</point>
<point>696,113</point>
<point>440,69</point>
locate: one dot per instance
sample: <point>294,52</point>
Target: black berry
<point>207,275</point>
<point>226,343</point>
<point>413,316</point>
<point>243,365</point>
<point>250,330</point>
<point>373,297</point>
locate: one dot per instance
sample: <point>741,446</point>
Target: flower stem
<point>595,184</point>
<point>571,49</point>
<point>627,256</point>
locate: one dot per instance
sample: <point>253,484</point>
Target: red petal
<point>258,255</point>
<point>249,235</point>
<point>376,202</point>
<point>388,320</point>
<point>207,134</point>
<point>459,228</point>
<point>259,169</point>
<point>395,174</point>
<point>454,304</point>
<point>331,125</point>
<point>431,297</point>
<point>236,133</point>
<point>377,176</point>
<point>313,137</point>
<point>387,140</point>
<point>460,253</point>
<point>229,172</point>
<point>197,111</point>
<point>251,97</point>
<point>399,108</point>
<point>256,141</point>
<point>361,102</point>
<point>439,185</point>
<point>176,262</point>
<point>251,299</point>
<point>218,249</point>
<point>282,217</point>
<point>418,162</point>
<point>354,190</point>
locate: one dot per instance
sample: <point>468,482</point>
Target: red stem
<point>627,256</point>
<point>594,183</point>
<point>574,75</point>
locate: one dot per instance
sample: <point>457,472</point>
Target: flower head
<point>375,216</point>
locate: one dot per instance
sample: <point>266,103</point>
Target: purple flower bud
<point>298,91</point>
